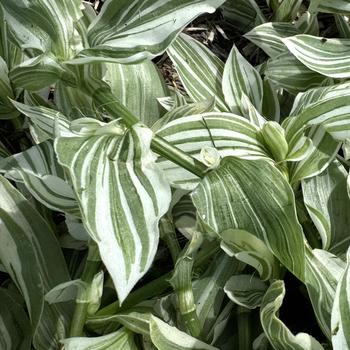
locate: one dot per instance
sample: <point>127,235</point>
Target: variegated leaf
<point>225,200</point>
<point>230,134</point>
<point>334,6</point>
<point>276,331</point>
<point>37,167</point>
<point>290,74</point>
<point>329,57</point>
<point>245,290</point>
<point>268,37</point>
<point>242,14</point>
<point>47,121</point>
<point>40,72</point>
<point>127,32</point>
<point>239,78</point>
<point>287,10</point>
<point>341,311</point>
<point>120,340</point>
<point>122,194</point>
<point>14,323</point>
<point>137,87</point>
<point>251,250</point>
<point>328,204</point>
<point>42,26</point>
<point>199,69</point>
<point>322,274</point>
<point>32,256</point>
<point>165,337</point>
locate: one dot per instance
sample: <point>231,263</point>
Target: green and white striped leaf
<point>3,151</point>
<point>242,14</point>
<point>245,290</point>
<point>329,120</point>
<point>276,331</point>
<point>328,204</point>
<point>226,200</point>
<point>290,74</point>
<point>122,194</point>
<point>201,72</point>
<point>44,26</point>
<point>73,103</point>
<point>324,93</point>
<point>185,110</point>
<point>315,160</point>
<point>137,87</point>
<point>47,121</point>
<point>37,167</point>
<point>135,319</point>
<point>271,109</point>
<point>14,323</point>
<point>7,111</point>
<point>343,25</point>
<point>307,23</point>
<point>119,340</point>
<point>341,311</point>
<point>209,294</point>
<point>250,250</point>
<point>323,272</point>
<point>239,78</point>
<point>230,134</point>
<point>165,337</point>
<point>127,32</point>
<point>334,6</point>
<point>287,10</point>
<point>32,256</point>
<point>40,72</point>
<point>268,37</point>
<point>329,57</point>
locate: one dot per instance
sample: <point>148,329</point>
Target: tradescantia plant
<point>135,216</point>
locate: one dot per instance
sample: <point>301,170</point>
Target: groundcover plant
<point>139,215</point>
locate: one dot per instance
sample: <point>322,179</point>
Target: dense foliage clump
<point>174,174</point>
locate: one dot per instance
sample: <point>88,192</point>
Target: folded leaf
<point>37,167</point>
<point>328,204</point>
<point>278,334</point>
<point>119,340</point>
<point>122,195</point>
<point>245,290</point>
<point>165,337</point>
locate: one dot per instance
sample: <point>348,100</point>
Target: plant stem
<point>107,100</point>
<point>92,265</point>
<point>244,331</point>
<point>168,235</point>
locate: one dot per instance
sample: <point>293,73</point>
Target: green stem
<point>244,331</point>
<point>92,266</point>
<point>168,235</point>
<point>107,100</point>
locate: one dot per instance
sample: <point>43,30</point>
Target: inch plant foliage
<point>160,190</point>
